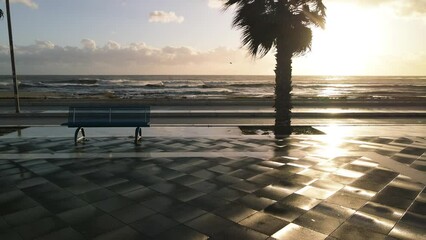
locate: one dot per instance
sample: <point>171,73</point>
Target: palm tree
<point>284,25</point>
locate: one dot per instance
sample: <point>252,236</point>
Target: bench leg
<point>77,138</point>
<point>138,135</point>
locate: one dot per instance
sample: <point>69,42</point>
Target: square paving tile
<point>132,213</point>
<point>229,194</point>
<point>160,203</point>
<point>209,224</point>
<point>418,207</point>
<point>125,187</point>
<point>10,235</point>
<point>294,231</point>
<point>334,210</point>
<point>26,216</point>
<point>126,233</point>
<point>140,194</point>
<point>256,202</point>
<point>205,186</point>
<point>184,212</point>
<point>234,212</point>
<point>113,203</point>
<point>414,220</point>
<point>246,186</point>
<point>346,200</point>
<point>208,202</point>
<point>349,231</point>
<point>63,234</point>
<point>78,215</point>
<point>13,203</point>
<point>238,232</point>
<point>154,225</point>
<point>181,232</point>
<point>98,225</point>
<point>393,214</point>
<point>264,223</point>
<point>319,222</point>
<point>187,180</point>
<point>407,231</point>
<point>300,201</point>
<point>40,227</point>
<point>284,211</point>
<point>96,195</point>
<point>188,194</point>
<point>3,225</point>
<point>372,222</point>
<point>64,205</point>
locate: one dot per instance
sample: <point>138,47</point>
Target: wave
<point>311,87</point>
<point>86,81</point>
<point>28,85</point>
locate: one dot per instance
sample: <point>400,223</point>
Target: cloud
<point>401,7</point>
<point>112,45</point>
<point>44,44</point>
<point>165,17</point>
<point>410,7</point>
<point>215,3</point>
<point>28,3</point>
<point>88,44</point>
<point>44,57</point>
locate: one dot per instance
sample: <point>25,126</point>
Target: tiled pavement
<point>304,187</point>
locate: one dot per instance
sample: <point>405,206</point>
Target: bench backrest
<point>109,116</point>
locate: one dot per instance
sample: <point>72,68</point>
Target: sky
<point>195,37</point>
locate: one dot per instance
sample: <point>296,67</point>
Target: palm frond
<point>228,3</point>
<point>258,24</point>
<point>1,14</point>
<point>314,10</point>
<point>301,40</point>
<point>263,21</point>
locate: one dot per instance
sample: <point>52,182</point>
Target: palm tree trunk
<point>283,104</point>
<point>283,71</point>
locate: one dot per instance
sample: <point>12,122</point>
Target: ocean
<point>362,88</point>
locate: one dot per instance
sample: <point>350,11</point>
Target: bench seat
<point>108,116</point>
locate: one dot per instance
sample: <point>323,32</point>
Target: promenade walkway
<point>214,183</point>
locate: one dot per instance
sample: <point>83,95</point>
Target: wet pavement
<point>188,183</point>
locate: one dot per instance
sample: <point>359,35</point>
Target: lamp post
<point>12,59</point>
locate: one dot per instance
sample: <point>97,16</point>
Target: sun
<point>353,35</point>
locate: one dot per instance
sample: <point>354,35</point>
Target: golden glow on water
<point>330,92</point>
<point>334,110</point>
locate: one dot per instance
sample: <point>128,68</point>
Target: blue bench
<point>81,117</point>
